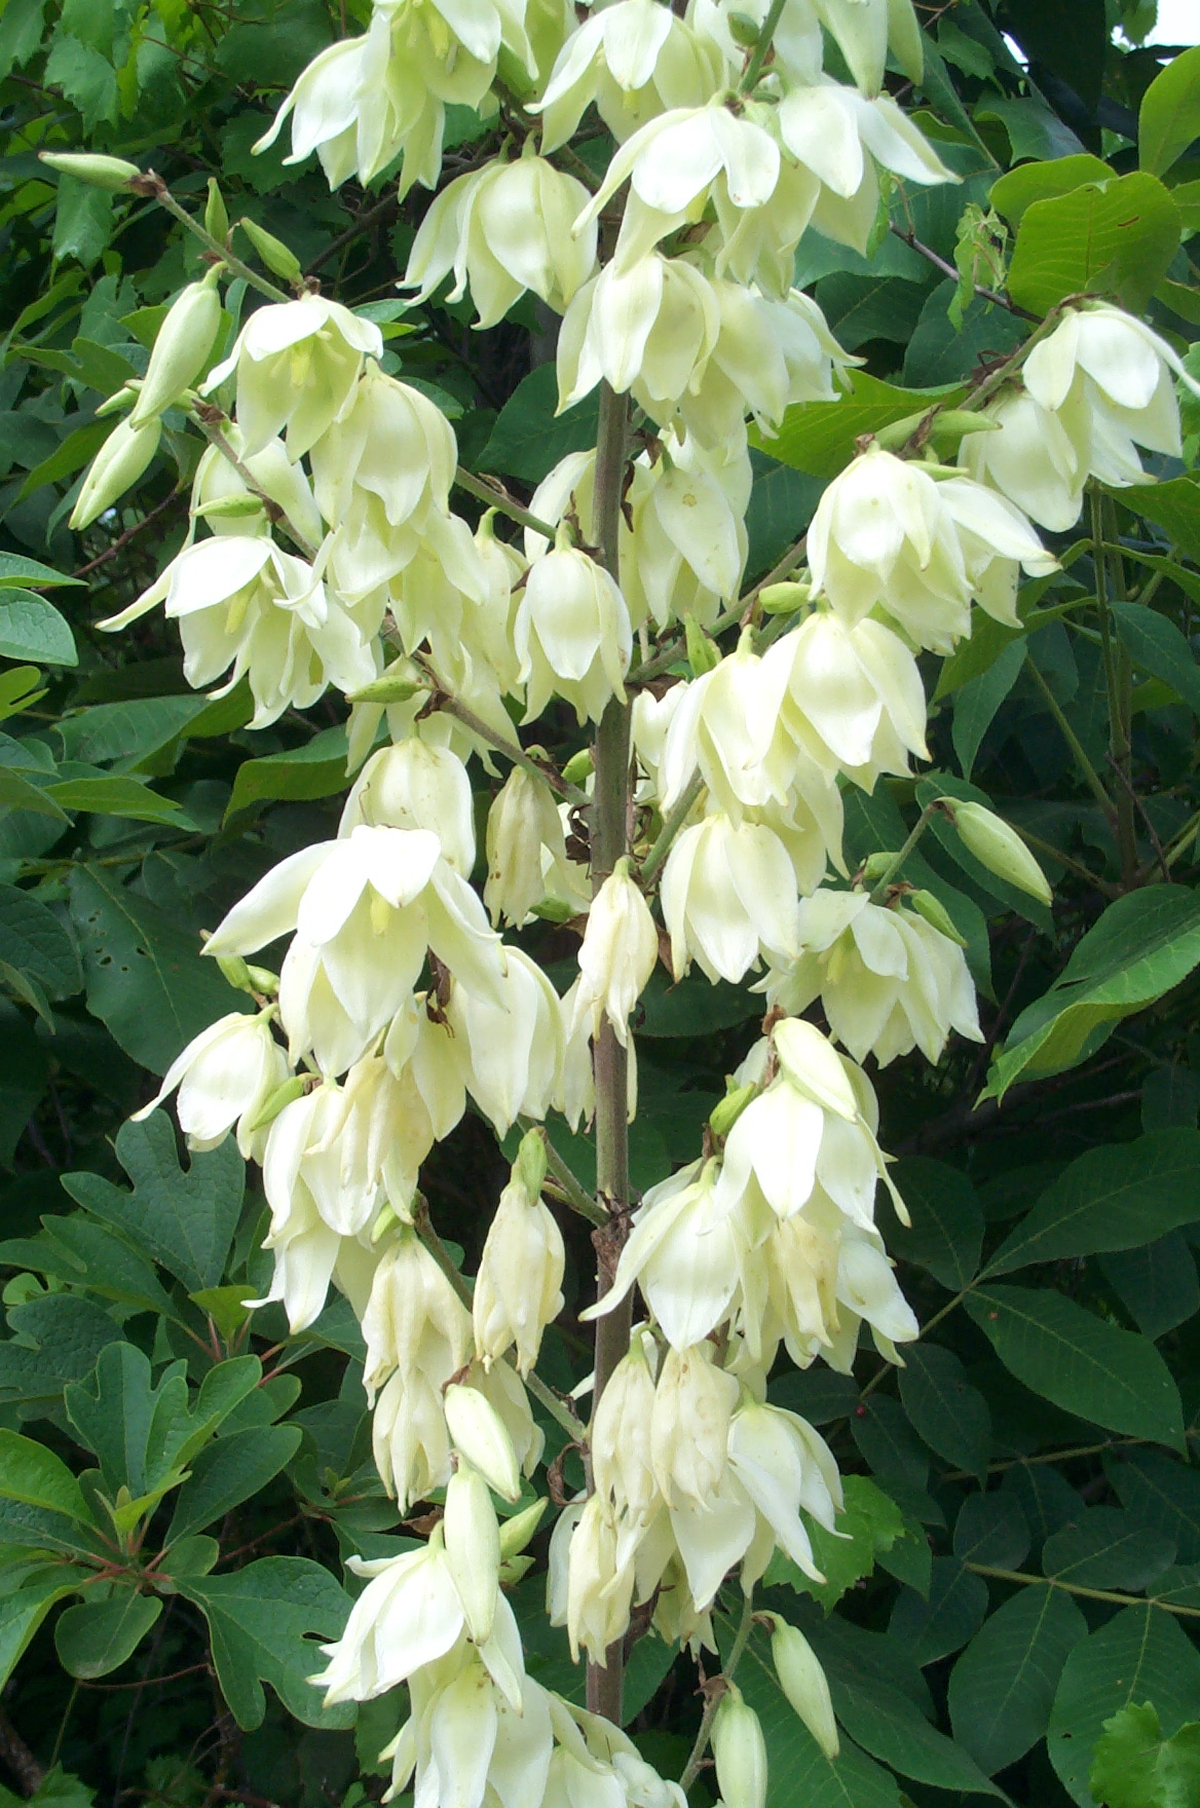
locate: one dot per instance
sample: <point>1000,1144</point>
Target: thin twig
<point>713,1695</point>
<point>497,498</point>
<point>118,546</point>
<point>997,299</point>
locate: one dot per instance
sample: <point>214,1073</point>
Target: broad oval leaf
<point>94,1637</point>
<point>1002,1687</point>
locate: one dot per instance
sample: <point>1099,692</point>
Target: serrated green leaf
<point>1002,1688</point>
<point>1088,1367</point>
<point>94,1637</point>
<point>1113,1197</point>
<point>265,1622</point>
<point>871,1523</point>
<point>1140,1655</point>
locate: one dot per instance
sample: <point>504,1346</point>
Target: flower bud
<point>997,846</point>
<point>803,1682</point>
<point>273,252</point>
<point>618,953</point>
<point>516,1532</point>
<point>579,767</point>
<point>216,218</point>
<point>112,173</point>
<point>530,1165</point>
<point>472,1549</point>
<point>120,399</point>
<point>274,1103</point>
<point>518,1287</point>
<point>726,1114</point>
<point>119,463</point>
<point>703,654</point>
<point>478,1432</point>
<point>744,30</point>
<point>784,599</point>
<point>181,349</point>
<point>401,681</point>
<point>740,1752</point>
<point>935,913</point>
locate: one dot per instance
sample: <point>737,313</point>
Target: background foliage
<point>1023,1561</point>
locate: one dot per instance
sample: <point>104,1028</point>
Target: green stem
<point>672,823</point>
<point>879,892</point>
<point>759,54</point>
<point>1092,777</point>
<point>216,437</point>
<point>577,1196</point>
<point>485,492</point>
<point>232,262</point>
<point>512,750</point>
<point>1118,676</point>
<point>610,812</point>
<point>691,1769</point>
<point>1076,866</point>
<point>1074,1588</point>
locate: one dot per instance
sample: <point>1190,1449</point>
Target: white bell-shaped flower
<point>573,634</point>
<point>622,1469</point>
<point>1035,457</point>
<point>523,827</point>
<point>414,1321</point>
<point>888,980</point>
<point>783,1465</point>
<point>599,1589</point>
<point>225,1076</point>
<point>618,954</point>
<point>727,728</point>
<point>728,896</point>
<point>416,784</point>
<point>518,1288</point>
<point>650,328</point>
<point>391,445</point>
<point>634,61</point>
<point>297,364</point>
<point>502,230</point>
<point>227,506</point>
<point>770,352</point>
<point>854,701</point>
<point>513,1041</point>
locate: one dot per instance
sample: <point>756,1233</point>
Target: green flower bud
<point>726,1114</point>
<point>514,1570</point>
<point>803,1682</point>
<point>744,30</point>
<point>263,981</point>
<point>579,767</point>
<point>181,349</point>
<point>397,685</point>
<point>235,971</point>
<point>529,1169</point>
<point>230,508</point>
<point>516,1532</point>
<point>275,1101</point>
<point>739,1752</point>
<point>216,219</point>
<point>935,913</point>
<point>112,173</point>
<point>121,399</point>
<point>273,252</point>
<point>703,654</point>
<point>996,845</point>
<point>875,866</point>
<point>119,463</point>
<point>784,599</point>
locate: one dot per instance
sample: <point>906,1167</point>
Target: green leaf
<point>18,571</point>
<point>1002,1688</point>
<point>32,628</point>
<point>1175,506</point>
<point>113,796</point>
<point>1134,1767</point>
<point>1161,1494</point>
<point>85,216</point>
<point>859,308</point>
<point>1108,1548</point>
<point>266,1622</point>
<point>94,1637</point>
<point>950,1414</point>
<point>35,940</point>
<point>977,702</point>
<point>22,1612</point>
<point>146,979</point>
<point>819,437</point>
<point>18,793</point>
<point>936,353</point>
<point>1169,116</point>
<point>1067,37</point>
<point>184,1219</point>
<point>931,1629</point>
<point>1143,945</point>
<point>947,1224</point>
<point>1014,192</point>
<point>1140,1655</point>
<point>1088,1367</point>
<point>60,1337</point>
<point>871,1523</point>
<point>1156,1284</point>
<point>1157,645</point>
<point>128,731</point>
<point>529,438</point>
<point>228,1472</point>
<point>317,769</point>
<point>76,450</point>
<point>1118,236</point>
<point>992,1529</point>
<point>34,1475</point>
<point>1116,1196</point>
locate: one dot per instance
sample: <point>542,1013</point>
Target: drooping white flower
<point>853,701</point>
<point>388,457</point>
<point>727,728</point>
<point>297,364</point>
<point>415,784</point>
<point>1119,370</point>
<point>573,634</point>
<point>728,895</point>
<point>414,1321</point>
<point>524,829</point>
<point>634,60</point>
<point>518,1288</point>
<point>224,502</point>
<point>651,328</point>
<point>888,980</point>
<point>513,1041</point>
<point>242,602</point>
<point>501,230</point>
<point>1033,457</point>
<point>618,953</point>
<point>225,1076</point>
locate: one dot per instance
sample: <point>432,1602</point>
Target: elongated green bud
<point>936,914</point>
<point>529,1169</point>
<point>516,1532</point>
<point>273,252</point>
<point>784,599</point>
<point>803,1682</point>
<point>235,972</point>
<point>744,30</point>
<point>740,1752</point>
<point>396,685</point>
<point>263,980</point>
<point>230,508</point>
<point>119,463</point>
<point>121,399</point>
<point>703,654</point>
<point>472,1548</point>
<point>216,218</point>
<point>579,767</point>
<point>112,173</point>
<point>997,846</point>
<point>181,349</point>
<point>275,1101</point>
<point>954,423</point>
<point>479,1434</point>
<point>726,1114</point>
